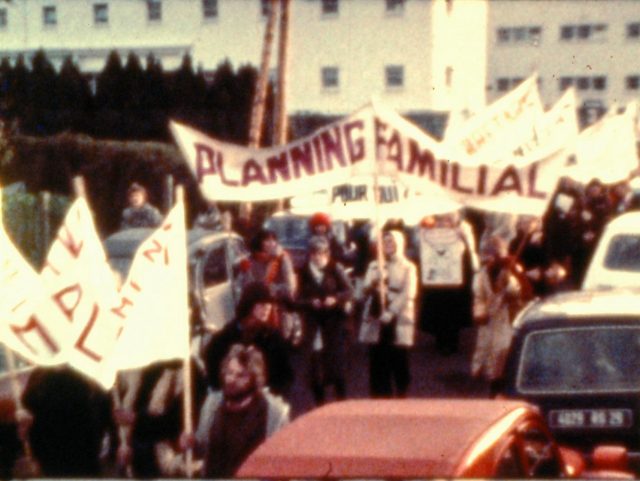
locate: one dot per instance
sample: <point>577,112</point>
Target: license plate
<point>591,418</point>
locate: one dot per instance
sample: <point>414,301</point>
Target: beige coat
<point>494,337</point>
<point>401,292</point>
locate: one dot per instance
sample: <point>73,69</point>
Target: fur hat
<point>253,293</point>
<point>319,218</point>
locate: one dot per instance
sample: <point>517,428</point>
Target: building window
<point>49,16</point>
<point>394,76</point>
<point>599,83</point>
<point>520,34</point>
<point>330,77</point>
<point>209,8</point>
<point>633,30</point>
<point>330,7</point>
<point>3,18</point>
<point>633,82</point>
<point>502,84</point>
<point>154,10</point>
<point>100,14</point>
<point>565,83</point>
<point>582,83</point>
<point>394,6</point>
<point>587,31</point>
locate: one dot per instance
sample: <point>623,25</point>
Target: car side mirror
<point>610,458</point>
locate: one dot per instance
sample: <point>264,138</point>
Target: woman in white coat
<point>390,331</point>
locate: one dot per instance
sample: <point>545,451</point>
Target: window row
<point>588,31</point>
<point>209,11</point>
<point>393,76</point>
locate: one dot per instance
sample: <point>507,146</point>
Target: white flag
<point>25,325</point>
<point>82,288</point>
<point>154,299</point>
<point>607,150</point>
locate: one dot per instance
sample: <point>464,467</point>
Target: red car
<point>425,439</point>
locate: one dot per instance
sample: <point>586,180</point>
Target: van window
<point>215,271</point>
<point>623,253</point>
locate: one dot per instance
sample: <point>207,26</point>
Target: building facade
<point>414,55</point>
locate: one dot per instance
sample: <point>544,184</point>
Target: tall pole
<point>260,95</point>
<point>281,118</point>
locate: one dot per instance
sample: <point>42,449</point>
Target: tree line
<point>128,101</point>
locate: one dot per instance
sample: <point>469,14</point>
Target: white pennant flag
<point>83,289</point>
<point>25,323</point>
<point>154,299</point>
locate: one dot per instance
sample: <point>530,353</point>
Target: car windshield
<point>624,253</point>
<point>585,359</point>
<point>291,231</point>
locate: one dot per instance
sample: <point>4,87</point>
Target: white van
<point>616,260</point>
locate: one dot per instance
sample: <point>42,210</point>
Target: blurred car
<point>213,261</point>
<point>576,355</point>
<point>293,234</point>
<point>423,438</point>
<point>616,259</point>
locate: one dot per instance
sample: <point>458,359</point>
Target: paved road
<point>433,375</point>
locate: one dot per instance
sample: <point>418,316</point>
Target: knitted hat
<point>319,218</point>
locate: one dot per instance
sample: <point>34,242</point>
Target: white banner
<point>607,150</point>
<point>441,257</point>
<point>500,128</point>
<point>83,289</point>
<point>154,304</point>
<point>374,133</point>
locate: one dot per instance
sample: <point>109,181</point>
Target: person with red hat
<point>320,226</point>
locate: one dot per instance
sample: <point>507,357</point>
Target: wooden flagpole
<point>281,119</point>
<point>186,373</point>
<point>382,288</point>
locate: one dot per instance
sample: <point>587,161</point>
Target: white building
<point>415,55</point>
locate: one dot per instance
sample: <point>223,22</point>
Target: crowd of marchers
<point>453,270</point>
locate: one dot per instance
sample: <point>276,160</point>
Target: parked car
<point>616,259</point>
<point>213,262</point>
<point>576,355</point>
<point>423,438</point>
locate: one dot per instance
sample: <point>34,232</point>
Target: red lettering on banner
<point>482,179</point>
<point>155,249</point>
<point>278,165</point>
<point>355,147</point>
<point>301,156</point>
<point>135,285</point>
<point>423,161</point>
<point>80,343</point>
<point>379,128</point>
<point>34,325</point>
<point>205,164</point>
<point>317,148</point>
<point>333,148</point>
<point>166,227</point>
<point>444,172</point>
<point>533,177</point>
<point>252,172</point>
<point>394,149</point>
<point>17,306</point>
<point>509,180</point>
<point>66,238</point>
<point>223,177</point>
<point>49,265</point>
<point>59,297</point>
<point>455,180</point>
<point>119,311</point>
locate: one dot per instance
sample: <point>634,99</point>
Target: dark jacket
<point>273,346</point>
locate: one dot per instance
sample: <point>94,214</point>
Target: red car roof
<point>376,438</point>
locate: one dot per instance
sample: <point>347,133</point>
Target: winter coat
<point>144,216</point>
<point>401,286</point>
<point>494,337</point>
<point>276,271</point>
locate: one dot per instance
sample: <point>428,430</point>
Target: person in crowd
<point>388,324</point>
<point>271,264</point>
<point>237,418</point>
<point>497,298</point>
<point>254,324</point>
<point>210,218</point>
<point>325,290</point>
<point>66,417</point>
<point>448,259</point>
<point>320,225</point>
<point>529,248</point>
<point>139,213</point>
<point>152,417</point>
